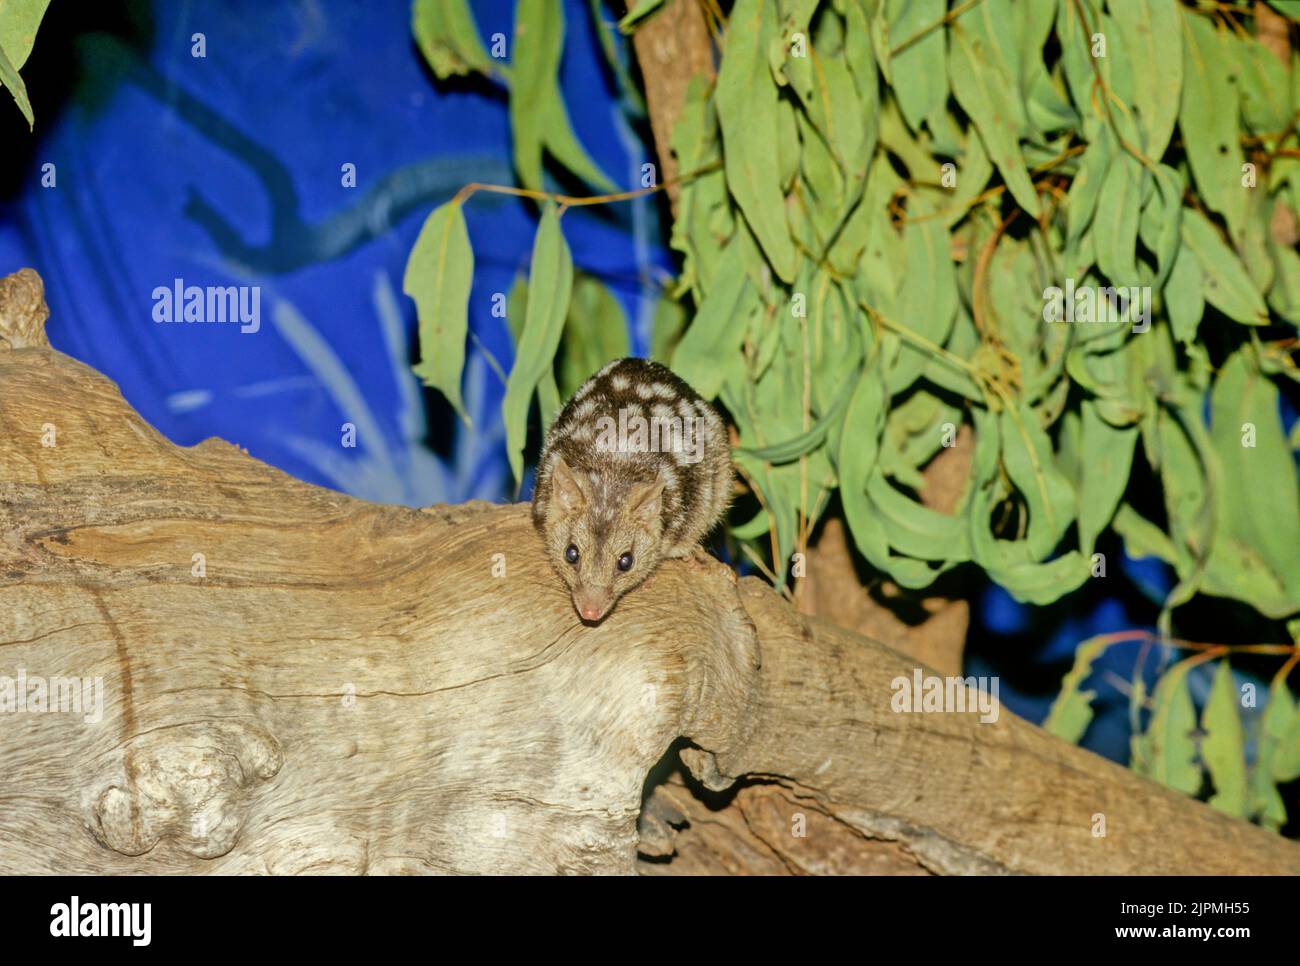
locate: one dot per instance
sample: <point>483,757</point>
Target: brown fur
<point>650,502</point>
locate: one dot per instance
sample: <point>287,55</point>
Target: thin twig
<point>575,201</point>
<point>950,16</point>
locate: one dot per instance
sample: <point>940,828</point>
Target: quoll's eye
<point>571,554</point>
<point>625,562</point>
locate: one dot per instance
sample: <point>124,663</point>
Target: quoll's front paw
<point>701,559</point>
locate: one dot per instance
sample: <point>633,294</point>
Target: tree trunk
<point>672,46</point>
<point>297,681</point>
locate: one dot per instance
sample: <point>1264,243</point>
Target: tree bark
<point>672,46</point>
<point>296,681</point>
<point>1274,32</point>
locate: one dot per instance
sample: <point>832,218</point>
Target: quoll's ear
<point>645,502</point>
<point>567,488</point>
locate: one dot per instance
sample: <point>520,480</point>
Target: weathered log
<point>298,681</point>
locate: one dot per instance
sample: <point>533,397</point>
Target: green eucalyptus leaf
<point>1107,457</point>
<point>1284,296</point>
<point>438,275</point>
<point>517,309</point>
<point>640,10</point>
<point>983,66</point>
<point>19,22</point>
<point>1254,555</point>
<point>1166,752</point>
<point>864,422</point>
<point>1278,758</point>
<point>595,333</point>
<point>628,90</point>
<point>1085,189</point>
<point>1184,300</point>
<point>1142,538</point>
<point>918,427</point>
<point>1283,728</point>
<point>666,328</point>
<point>703,198</point>
<point>1152,38</point>
<point>1225,282</point>
<point>1223,747</point>
<point>1162,221</point>
<point>754,528</point>
<point>921,79</point>
<point>916,530</point>
<point>880,39</point>
<point>1208,118</point>
<point>1183,477</point>
<point>1032,468</point>
<point>710,349</point>
<point>538,43</point>
<point>1071,711</point>
<point>972,177</point>
<point>564,146</point>
<point>746,99</point>
<point>1266,101</point>
<point>928,308</point>
<point>446,35</point>
<point>539,120</point>
<point>862,62</point>
<point>805,442</point>
<point>10,78</point>
<point>1040,584</point>
<point>1115,230</point>
<point>550,283</point>
<point>548,399</point>
<point>827,90</point>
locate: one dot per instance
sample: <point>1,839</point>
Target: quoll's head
<point>604,544</point>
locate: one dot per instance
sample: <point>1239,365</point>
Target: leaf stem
<point>950,16</point>
<point>1107,94</point>
<point>1129,637</point>
<point>576,201</point>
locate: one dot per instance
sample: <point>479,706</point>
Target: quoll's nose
<point>591,606</point>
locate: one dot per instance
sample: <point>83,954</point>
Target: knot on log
<point>188,783</point>
<point>23,311</point>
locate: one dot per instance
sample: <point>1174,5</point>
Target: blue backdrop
<point>228,169</point>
